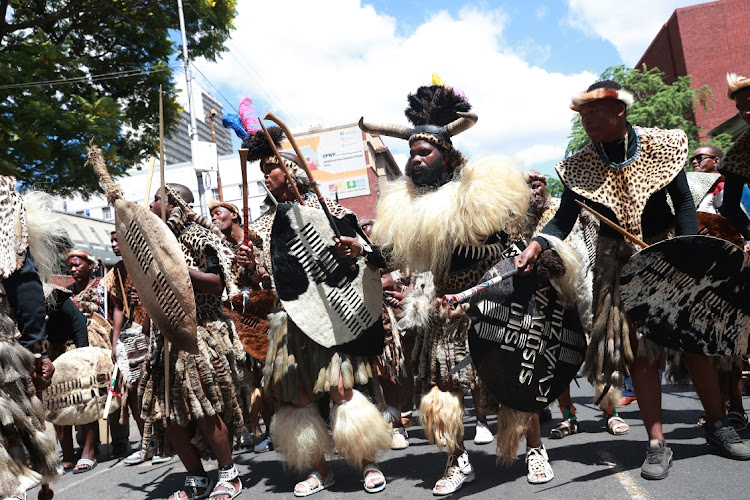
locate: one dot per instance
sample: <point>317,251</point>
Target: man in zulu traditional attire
<point>208,395</point>
<point>123,294</point>
<point>300,372</point>
<point>626,173</point>
<point>736,163</point>
<point>455,220</point>
<point>583,240</point>
<point>247,274</point>
<point>27,454</point>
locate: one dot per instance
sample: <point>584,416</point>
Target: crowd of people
<point>317,333</point>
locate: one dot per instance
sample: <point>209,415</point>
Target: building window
<point>107,213</point>
<point>215,193</point>
<point>259,187</point>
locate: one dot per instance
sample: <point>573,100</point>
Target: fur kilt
<point>610,352</point>
<point>298,369</point>
<point>27,454</point>
<point>441,345</point>
<point>201,385</point>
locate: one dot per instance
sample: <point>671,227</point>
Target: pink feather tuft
<point>247,113</point>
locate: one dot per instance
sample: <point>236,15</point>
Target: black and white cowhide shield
<point>690,293</point>
<point>525,345</point>
<point>334,301</point>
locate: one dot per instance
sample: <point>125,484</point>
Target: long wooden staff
<point>149,178</point>
<point>125,307</point>
<point>162,193</point>
<point>282,165</point>
<point>303,164</point>
<point>614,226</point>
<point>245,198</point>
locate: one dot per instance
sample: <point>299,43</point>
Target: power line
<point>79,79</point>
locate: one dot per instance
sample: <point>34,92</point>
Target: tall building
<point>706,41</point>
<point>177,146</point>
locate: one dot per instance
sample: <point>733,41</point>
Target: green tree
<point>71,70</point>
<point>656,104</point>
<point>554,187</point>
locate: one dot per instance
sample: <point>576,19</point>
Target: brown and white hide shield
<point>157,266</point>
<point>79,387</point>
<point>690,293</point>
<point>131,349</point>
<point>334,301</point>
<point>249,312</point>
<point>526,347</point>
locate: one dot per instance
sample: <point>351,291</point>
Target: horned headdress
<point>436,113</point>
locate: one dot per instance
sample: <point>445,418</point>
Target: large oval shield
<point>334,301</point>
<point>157,266</point>
<point>526,347</point>
<point>79,387</point>
<point>690,293</point>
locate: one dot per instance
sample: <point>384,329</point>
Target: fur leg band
<point>441,414</point>
<point>512,426</point>
<point>359,431</point>
<point>300,435</point>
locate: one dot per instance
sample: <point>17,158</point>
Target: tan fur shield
<point>157,266</point>
<point>79,387</point>
<point>99,331</point>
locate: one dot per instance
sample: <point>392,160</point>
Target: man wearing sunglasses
<point>706,159</point>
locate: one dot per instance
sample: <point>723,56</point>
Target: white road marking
<point>626,480</point>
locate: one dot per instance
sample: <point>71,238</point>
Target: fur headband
<point>736,83</point>
<point>83,255</point>
<point>621,95</point>
<point>212,203</point>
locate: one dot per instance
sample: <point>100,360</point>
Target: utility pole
<point>191,107</point>
<point>211,115</point>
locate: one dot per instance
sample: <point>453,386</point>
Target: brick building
<point>705,41</point>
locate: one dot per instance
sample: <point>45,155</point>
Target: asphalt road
<point>591,464</point>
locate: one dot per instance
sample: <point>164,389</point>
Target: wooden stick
<point>303,164</point>
<point>167,347</point>
<point>614,226</point>
<point>245,197</point>
<point>149,178</point>
<point>281,164</point>
<point>125,307</point>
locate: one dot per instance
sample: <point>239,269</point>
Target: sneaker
<point>625,401</point>
<point>723,436</point>
<point>399,438</point>
<point>658,460</point>
<point>246,439</point>
<point>483,434</point>
<point>458,471</point>
<point>540,471</point>
<point>156,460</point>
<point>138,457</point>
<point>264,446</point>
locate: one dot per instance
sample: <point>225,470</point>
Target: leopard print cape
<point>627,187</point>
<point>737,159</point>
<point>14,237</point>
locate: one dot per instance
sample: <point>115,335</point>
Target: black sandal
<point>564,429</point>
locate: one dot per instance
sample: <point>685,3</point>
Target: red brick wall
<point>364,205</point>
<point>705,41</point>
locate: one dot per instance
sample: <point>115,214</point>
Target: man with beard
<point>454,219</point>
<point>626,173</point>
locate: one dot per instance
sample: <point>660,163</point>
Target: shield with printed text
<point>690,293</point>
<point>526,347</point>
<point>334,301</point>
<point>157,266</point>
